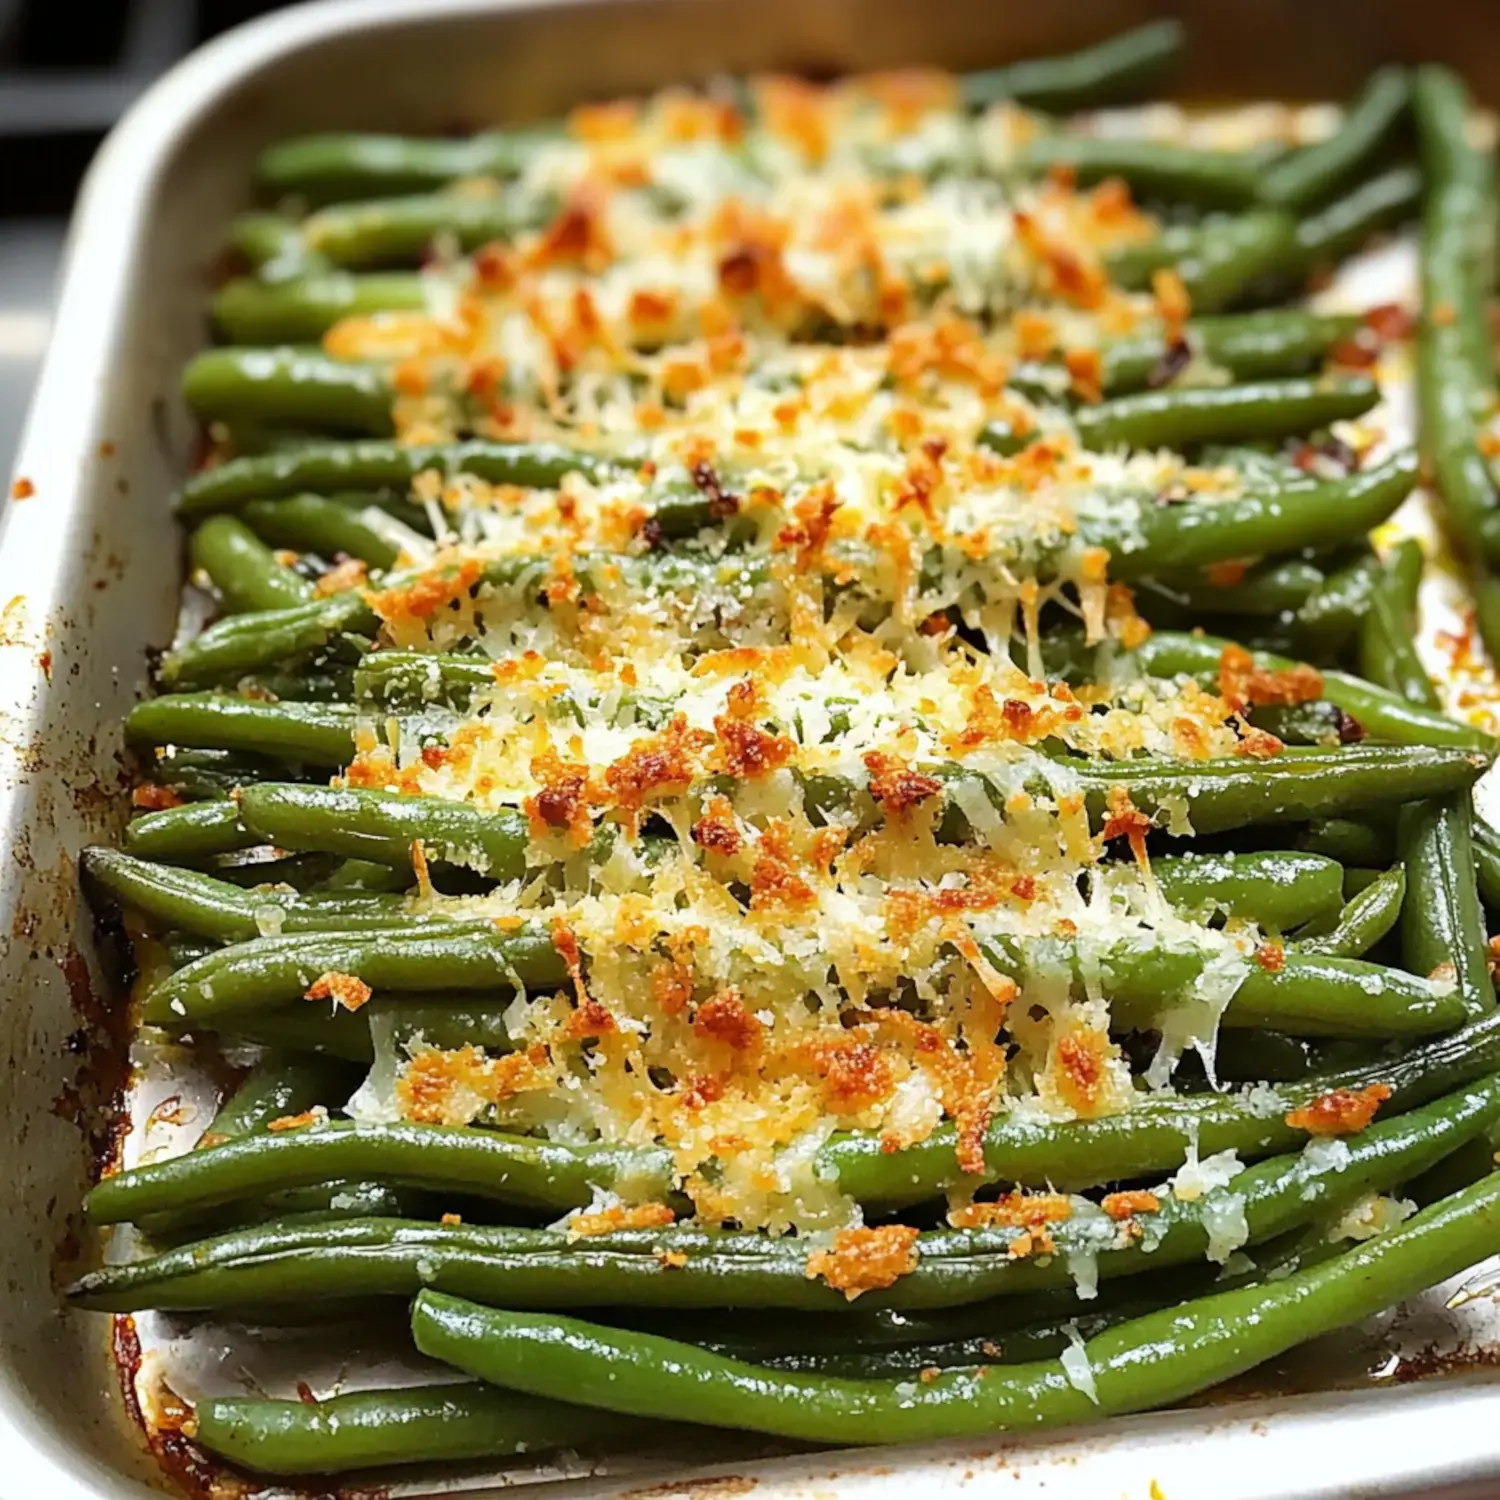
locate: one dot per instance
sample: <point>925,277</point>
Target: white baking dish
<point>90,566</point>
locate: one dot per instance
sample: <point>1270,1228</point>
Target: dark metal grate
<point>69,70</point>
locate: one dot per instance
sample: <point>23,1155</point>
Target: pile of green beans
<point>1339,848</point>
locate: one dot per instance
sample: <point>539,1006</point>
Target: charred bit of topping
<point>866,1260</point>
<point>344,989</point>
<point>1342,1112</point>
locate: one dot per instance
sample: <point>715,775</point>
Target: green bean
<point>945,1338</point>
<point>324,168</point>
<point>1229,259</point>
<point>446,1020</point>
<point>1113,71</point>
<point>330,683</point>
<point>265,972</point>
<point>857,1356</point>
<point>1157,538</point>
<point>1324,625</point>
<point>289,384</point>
<point>1486,594</point>
<point>419,677</point>
<point>197,903</point>
<point>1367,128</point>
<point>1316,723</point>
<point>1460,175</point>
<point>1148,1138</point>
<point>254,311</point>
<point>313,523</point>
<point>856,1362</point>
<point>1169,538</point>
<point>1365,919</point>
<point>1147,1362</point>
<point>231,648</point>
<point>886,1328</point>
<point>1487,861</point>
<point>1217,261</point>
<point>1357,880</point>
<point>380,1428</point>
<point>192,832</point>
<point>273,246</point>
<point>320,733</point>
<point>1382,713</point>
<point>1273,889</point>
<point>397,230</point>
<point>1236,413</point>
<point>542,1268</point>
<point>1442,926</point>
<point>327,467</point>
<point>1156,169</point>
<point>343,1035</point>
<point>211,775</point>
<point>1250,346</point>
<point>383,826</point>
<point>1018,1328</point>
<point>1269,1057</point>
<point>243,570</point>
<point>522,1170</point>
<point>353,875</point>
<point>1384,202</point>
<point>1218,794</point>
<point>1317,995</point>
<point>1387,637</point>
<point>260,866</point>
<point>1455,377</point>
<point>275,1088</point>
<point>1293,787</point>
<point>1271,588</point>
<point>1310,994</point>
<point>1350,841</point>
<point>331,167</point>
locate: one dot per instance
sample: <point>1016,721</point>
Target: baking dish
<point>92,584</point>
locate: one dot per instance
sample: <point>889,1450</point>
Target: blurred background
<point>68,71</point>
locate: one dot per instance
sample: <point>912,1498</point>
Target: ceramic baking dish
<point>89,575</point>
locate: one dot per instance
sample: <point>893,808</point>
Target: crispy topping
<point>620,1216</point>
<point>430,593</point>
<point>445,1088</point>
<point>747,752</point>
<point>1014,1210</point>
<point>1243,685</point>
<point>816,351</point>
<point>1127,1204</point>
<point>896,787</point>
<point>1342,1112</point>
<point>716,831</point>
<point>1271,957</point>
<point>866,1260</point>
<point>150,797</point>
<point>344,989</point>
<point>1258,744</point>
<point>723,1018</point>
<point>668,762</point>
<point>562,804</point>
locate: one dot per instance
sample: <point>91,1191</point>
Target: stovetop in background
<point>68,70</point>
